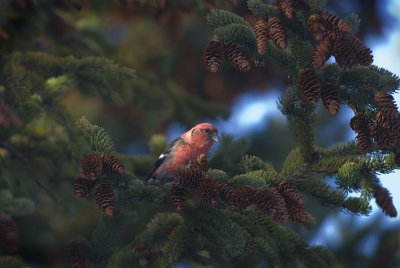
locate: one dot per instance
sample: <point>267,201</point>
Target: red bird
<point>181,151</point>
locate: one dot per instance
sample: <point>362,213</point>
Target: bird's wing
<point>167,153</point>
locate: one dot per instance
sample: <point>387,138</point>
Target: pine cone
<point>384,138</point>
<point>277,32</point>
<point>386,105</point>
<point>296,212</point>
<point>92,166</point>
<point>112,165</point>
<point>335,23</point>
<point>261,34</point>
<point>213,56</point>
<point>321,53</point>
<point>189,178</point>
<point>200,163</point>
<point>317,29</point>
<point>104,195</point>
<point>372,130</point>
<point>241,198</point>
<point>393,125</point>
<point>358,122</point>
<point>286,7</point>
<point>364,140</point>
<point>363,53</point>
<point>236,57</point>
<point>178,196</point>
<point>384,200</point>
<point>290,192</point>
<point>225,190</point>
<point>345,55</point>
<point>330,94</point>
<point>208,192</point>
<point>309,85</point>
<point>271,203</point>
<point>8,119</point>
<point>76,254</point>
<point>9,235</point>
<point>82,186</point>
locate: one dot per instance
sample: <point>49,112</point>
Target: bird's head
<point>202,133</point>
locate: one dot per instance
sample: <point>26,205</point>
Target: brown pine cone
<point>384,138</point>
<point>364,54</point>
<point>261,34</point>
<point>235,56</point>
<point>290,192</point>
<point>213,56</point>
<point>316,27</point>
<point>8,118</point>
<point>286,7</point>
<point>330,94</point>
<point>364,140</point>
<point>9,235</point>
<point>296,212</point>
<point>208,192</point>
<point>92,166</point>
<point>76,254</point>
<point>321,53</point>
<point>104,195</point>
<point>282,214</point>
<point>225,190</point>
<point>112,165</point>
<point>82,186</point>
<point>178,195</point>
<point>189,178</point>
<point>200,163</point>
<point>265,201</point>
<point>309,85</point>
<point>344,54</point>
<point>271,203</point>
<point>241,198</point>
<point>384,200</point>
<point>391,124</point>
<point>334,22</point>
<point>372,129</point>
<point>358,122</point>
<point>277,32</point>
<point>386,105</point>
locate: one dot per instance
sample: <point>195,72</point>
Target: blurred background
<point>170,92</point>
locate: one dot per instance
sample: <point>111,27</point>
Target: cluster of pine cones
<point>215,52</point>
<point>271,29</point>
<point>279,202</point>
<point>386,128</point>
<point>8,118</point>
<point>93,166</point>
<point>330,30</point>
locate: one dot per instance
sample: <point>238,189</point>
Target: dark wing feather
<point>165,154</point>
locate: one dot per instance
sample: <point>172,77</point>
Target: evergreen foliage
<point>228,215</point>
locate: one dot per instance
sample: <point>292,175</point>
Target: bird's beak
<point>214,137</point>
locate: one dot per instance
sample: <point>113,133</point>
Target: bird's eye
<point>207,130</point>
